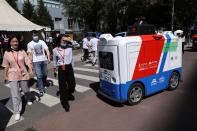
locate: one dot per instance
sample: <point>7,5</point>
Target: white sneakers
<point>29,103</point>
<point>17,117</point>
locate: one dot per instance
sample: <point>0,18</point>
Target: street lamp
<point>172,22</point>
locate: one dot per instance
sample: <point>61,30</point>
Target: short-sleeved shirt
<point>94,43</point>
<point>62,56</point>
<point>10,60</point>
<point>38,50</point>
<point>85,43</point>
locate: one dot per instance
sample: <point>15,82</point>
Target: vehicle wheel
<point>173,81</point>
<point>135,93</point>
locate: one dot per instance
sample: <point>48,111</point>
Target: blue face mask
<point>35,38</point>
<point>63,45</point>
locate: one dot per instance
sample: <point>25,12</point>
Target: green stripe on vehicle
<point>170,47</point>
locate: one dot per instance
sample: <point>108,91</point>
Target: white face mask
<point>35,38</point>
<point>14,48</point>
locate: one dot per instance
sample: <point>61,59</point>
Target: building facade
<point>61,21</point>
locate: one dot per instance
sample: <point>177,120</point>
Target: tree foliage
<point>115,15</point>
<point>39,15</point>
<point>43,16</point>
<point>34,18</point>
<point>28,10</point>
<point>13,4</point>
<point>87,10</point>
<point>185,12</point>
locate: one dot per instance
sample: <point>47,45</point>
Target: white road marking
<point>86,69</point>
<point>47,99</point>
<point>86,77</point>
<point>91,65</point>
<point>50,100</point>
<point>12,119</point>
<point>79,88</point>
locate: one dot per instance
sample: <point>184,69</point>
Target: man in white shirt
<point>85,48</point>
<point>93,44</point>
<point>36,50</point>
<point>180,33</point>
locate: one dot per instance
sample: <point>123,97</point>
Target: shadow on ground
<point>185,118</point>
<point>30,129</point>
<point>95,87</point>
<point>189,49</point>
<point>5,114</point>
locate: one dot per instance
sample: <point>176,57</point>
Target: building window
<point>70,23</point>
<point>53,6</point>
<point>49,5</point>
<point>58,19</point>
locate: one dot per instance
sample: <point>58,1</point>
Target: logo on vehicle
<point>106,75</point>
<point>161,79</point>
<point>154,82</point>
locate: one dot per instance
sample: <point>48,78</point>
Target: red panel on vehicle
<point>149,56</point>
<point>194,36</point>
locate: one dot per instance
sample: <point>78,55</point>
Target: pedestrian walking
<point>62,60</point>
<point>36,50</point>
<point>93,44</point>
<point>85,48</point>
<point>180,33</point>
<point>15,61</point>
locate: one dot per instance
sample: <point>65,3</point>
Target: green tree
<point>28,10</point>
<point>137,8</point>
<point>44,18</point>
<point>13,4</point>
<point>160,14</point>
<point>89,11</point>
<point>34,17</point>
<point>112,15</point>
<point>185,12</point>
<point>116,15</point>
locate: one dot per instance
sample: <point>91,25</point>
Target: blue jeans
<point>41,71</point>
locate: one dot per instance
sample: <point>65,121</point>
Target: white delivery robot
<point>136,66</point>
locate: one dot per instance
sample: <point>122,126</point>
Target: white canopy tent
<point>11,20</point>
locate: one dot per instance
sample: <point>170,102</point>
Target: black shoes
<point>57,93</point>
<point>93,64</point>
<point>41,94</point>
<point>66,107</point>
<point>71,97</point>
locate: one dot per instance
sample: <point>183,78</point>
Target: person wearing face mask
<point>36,50</point>
<point>15,72</point>
<point>62,61</point>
